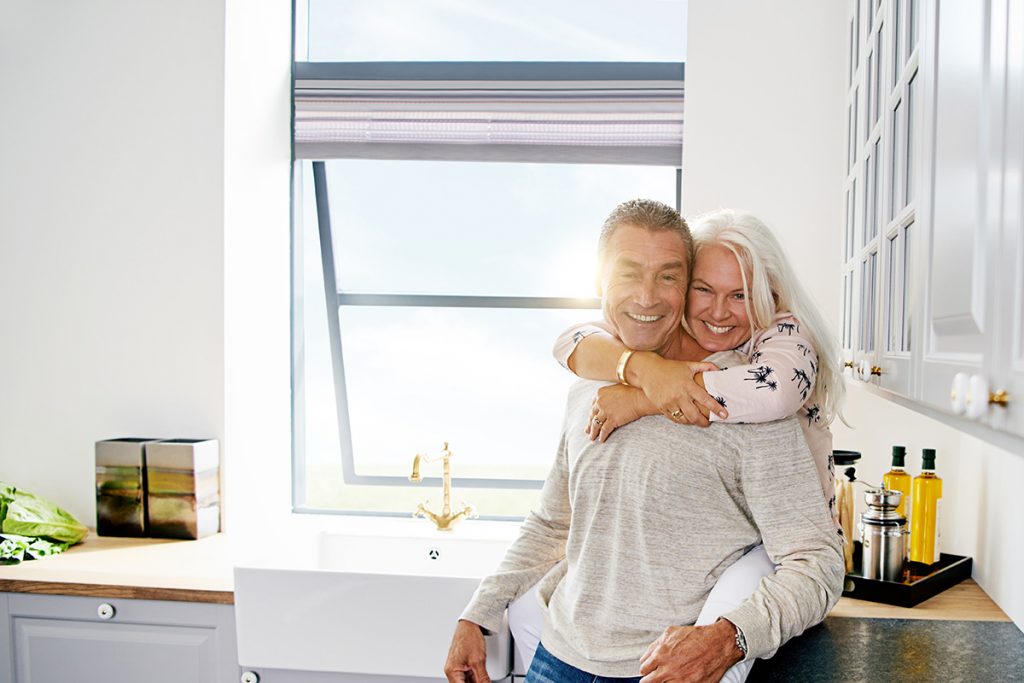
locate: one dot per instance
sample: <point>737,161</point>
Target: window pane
<point>495,30</point>
<point>443,227</point>
<point>482,379</point>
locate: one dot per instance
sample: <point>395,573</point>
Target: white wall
<point>765,131</point>
<point>111,233</point>
<point>765,104</point>
<point>144,167</point>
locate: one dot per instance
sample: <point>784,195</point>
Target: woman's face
<point>715,306</point>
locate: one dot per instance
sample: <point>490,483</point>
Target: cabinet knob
<point>977,398</point>
<point>999,398</point>
<point>250,677</point>
<point>105,611</point>
<point>958,393</point>
<point>876,371</point>
<point>848,364</point>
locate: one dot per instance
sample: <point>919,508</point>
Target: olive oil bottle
<point>925,537</point>
<point>897,479</point>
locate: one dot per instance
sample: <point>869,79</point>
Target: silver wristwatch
<point>741,641</point>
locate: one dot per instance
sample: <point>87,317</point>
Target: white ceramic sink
<point>362,604</point>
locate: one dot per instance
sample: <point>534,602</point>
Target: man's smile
<point>644,318</point>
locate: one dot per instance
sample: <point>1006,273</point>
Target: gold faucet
<point>446,520</point>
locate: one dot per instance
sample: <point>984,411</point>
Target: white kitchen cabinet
<point>1008,363</point>
<point>961,202</point>
<point>946,327</point>
<point>48,638</point>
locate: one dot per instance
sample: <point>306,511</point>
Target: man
<point>631,534</point>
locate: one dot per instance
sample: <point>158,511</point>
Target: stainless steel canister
<point>121,487</point>
<point>183,491</point>
<point>883,535</point>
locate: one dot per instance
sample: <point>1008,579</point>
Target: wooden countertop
<point>202,571</point>
<point>141,568</point>
<point>966,601</point>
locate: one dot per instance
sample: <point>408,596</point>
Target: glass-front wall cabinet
<point>932,249</point>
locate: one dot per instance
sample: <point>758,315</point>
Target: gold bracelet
<point>620,369</point>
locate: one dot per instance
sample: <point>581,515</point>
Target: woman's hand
<point>670,385</point>
<point>614,406</point>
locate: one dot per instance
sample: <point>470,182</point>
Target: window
<point>446,222</point>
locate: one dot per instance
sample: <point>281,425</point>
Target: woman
<point>744,300</point>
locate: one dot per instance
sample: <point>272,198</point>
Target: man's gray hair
<point>649,214</point>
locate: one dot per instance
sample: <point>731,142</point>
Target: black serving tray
<point>920,581</point>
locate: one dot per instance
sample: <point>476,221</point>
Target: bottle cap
<point>899,454</point>
<point>928,459</point>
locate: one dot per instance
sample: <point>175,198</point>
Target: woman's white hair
<point>770,287</point>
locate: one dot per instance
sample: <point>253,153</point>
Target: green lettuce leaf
<point>25,514</point>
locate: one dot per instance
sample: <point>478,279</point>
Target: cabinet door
<point>965,158</point>
<point>60,638</point>
<point>1008,371</point>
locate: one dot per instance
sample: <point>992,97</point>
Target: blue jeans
<point>546,668</point>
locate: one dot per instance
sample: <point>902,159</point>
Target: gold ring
<point>677,414</point>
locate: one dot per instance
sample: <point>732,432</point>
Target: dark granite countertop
<point>917,650</point>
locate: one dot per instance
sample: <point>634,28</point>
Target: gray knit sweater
<point>630,536</point>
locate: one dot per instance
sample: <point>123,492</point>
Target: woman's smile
<point>716,305</point>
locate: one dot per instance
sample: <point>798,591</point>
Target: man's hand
<point>614,406</point>
<point>467,657</point>
<point>691,653</point>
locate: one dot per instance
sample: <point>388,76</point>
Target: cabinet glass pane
<point>907,264</point>
<point>894,295</point>
<point>856,34</point>
<point>868,296</point>
<point>870,230</point>
<point>853,60</point>
<point>908,163</point>
<point>896,158</point>
<point>876,210</point>
<point>848,310</point>
<point>851,152</point>
<point>848,241</point>
<point>869,96</point>
<point>897,55</point>
<point>912,23</point>
<point>877,81</point>
<point>853,214</point>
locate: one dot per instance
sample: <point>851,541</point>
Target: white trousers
<point>736,584</point>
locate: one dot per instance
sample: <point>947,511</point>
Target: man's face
<point>643,281</point>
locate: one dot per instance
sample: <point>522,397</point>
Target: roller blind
<point>617,113</point>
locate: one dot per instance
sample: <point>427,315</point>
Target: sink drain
<point>434,553</point>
